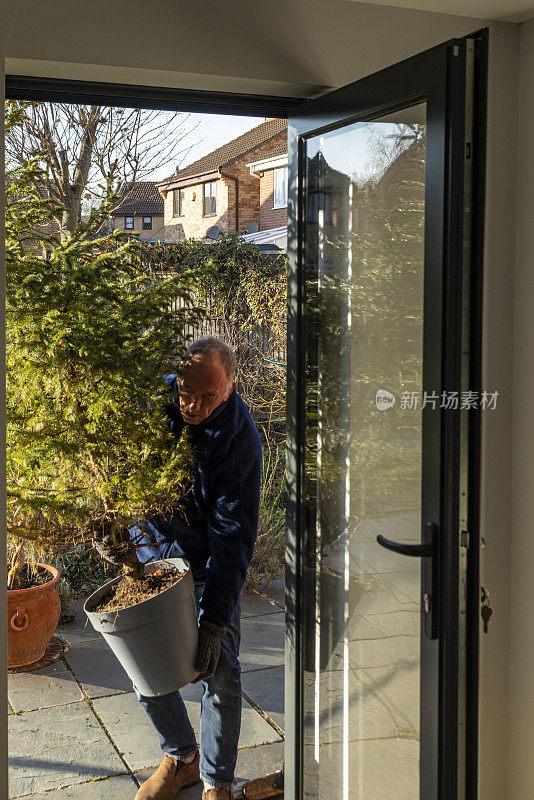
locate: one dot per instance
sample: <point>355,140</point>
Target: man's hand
<point>209,648</point>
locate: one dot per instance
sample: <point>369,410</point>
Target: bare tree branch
<point>88,145</point>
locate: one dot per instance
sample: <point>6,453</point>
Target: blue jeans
<point>220,712</point>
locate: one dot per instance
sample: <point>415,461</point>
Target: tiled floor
<point>77,731</point>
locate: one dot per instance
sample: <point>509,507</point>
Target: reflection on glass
<point>364,260</point>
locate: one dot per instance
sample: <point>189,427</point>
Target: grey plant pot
<point>155,641</point>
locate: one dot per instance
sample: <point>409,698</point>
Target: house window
<point>147,223</point>
<point>280,187</point>
<point>210,198</point>
<point>129,223</point>
<point>178,202</point>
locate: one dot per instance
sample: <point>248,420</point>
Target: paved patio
<point>76,730</point>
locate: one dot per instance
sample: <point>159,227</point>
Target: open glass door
<point>377,223</point>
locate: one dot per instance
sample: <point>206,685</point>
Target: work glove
<point>209,648</point>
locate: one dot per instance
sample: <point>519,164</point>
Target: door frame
<point>140,96</point>
<point>161,98</point>
<point>456,264</point>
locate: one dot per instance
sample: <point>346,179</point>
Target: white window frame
<point>129,227</point>
<point>282,202</point>
<point>212,195</point>
<point>180,194</point>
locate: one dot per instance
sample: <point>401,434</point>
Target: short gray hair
<point>210,346</point>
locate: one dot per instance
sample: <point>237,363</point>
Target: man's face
<point>202,386</point>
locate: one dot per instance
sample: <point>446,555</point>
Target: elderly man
<point>216,534</point>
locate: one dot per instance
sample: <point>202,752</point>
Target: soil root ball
<point>129,591</point>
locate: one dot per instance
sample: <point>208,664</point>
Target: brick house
<point>227,188</point>
<point>272,173</point>
<point>141,211</point>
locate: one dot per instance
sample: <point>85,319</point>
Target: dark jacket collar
<point>216,411</point>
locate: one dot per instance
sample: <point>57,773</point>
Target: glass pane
<point>210,198</point>
<point>364,257</point>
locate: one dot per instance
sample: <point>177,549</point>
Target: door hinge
<point>464,539</point>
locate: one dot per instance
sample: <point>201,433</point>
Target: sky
<point>350,152</point>
<point>213,131</point>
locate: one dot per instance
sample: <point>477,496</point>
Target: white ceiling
<point>505,10</point>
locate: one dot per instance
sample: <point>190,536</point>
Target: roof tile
<point>232,150</point>
<point>278,150</point>
<point>142,198</point>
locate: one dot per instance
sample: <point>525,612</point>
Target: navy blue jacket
<point>218,527</point>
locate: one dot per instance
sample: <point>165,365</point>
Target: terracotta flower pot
<point>32,616</point>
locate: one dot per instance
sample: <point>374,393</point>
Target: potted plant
<point>90,334</point>
<point>33,610</point>
<point>137,632</point>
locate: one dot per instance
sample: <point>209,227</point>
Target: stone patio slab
<point>394,623</point>
<point>383,769</point>
<point>130,729</point>
<point>253,604</point>
<point>276,590</point>
<point>57,747</point>
<point>385,592</point>
<point>255,762</point>
<point>262,641</point>
<point>360,628</point>
<point>398,687</point>
<point>97,668</point>
<point>254,729</point>
<point>373,714</point>
<point>51,686</point>
<point>121,788</point>
<point>266,688</point>
<point>380,769</point>
<point>80,629</point>
<point>135,737</point>
<point>382,652</point>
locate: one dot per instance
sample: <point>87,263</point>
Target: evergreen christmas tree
<point>90,335</point>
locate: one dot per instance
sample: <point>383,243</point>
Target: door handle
<point>428,549</point>
<point>417,550</point>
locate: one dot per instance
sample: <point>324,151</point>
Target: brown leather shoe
<point>217,794</point>
<point>168,779</point>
